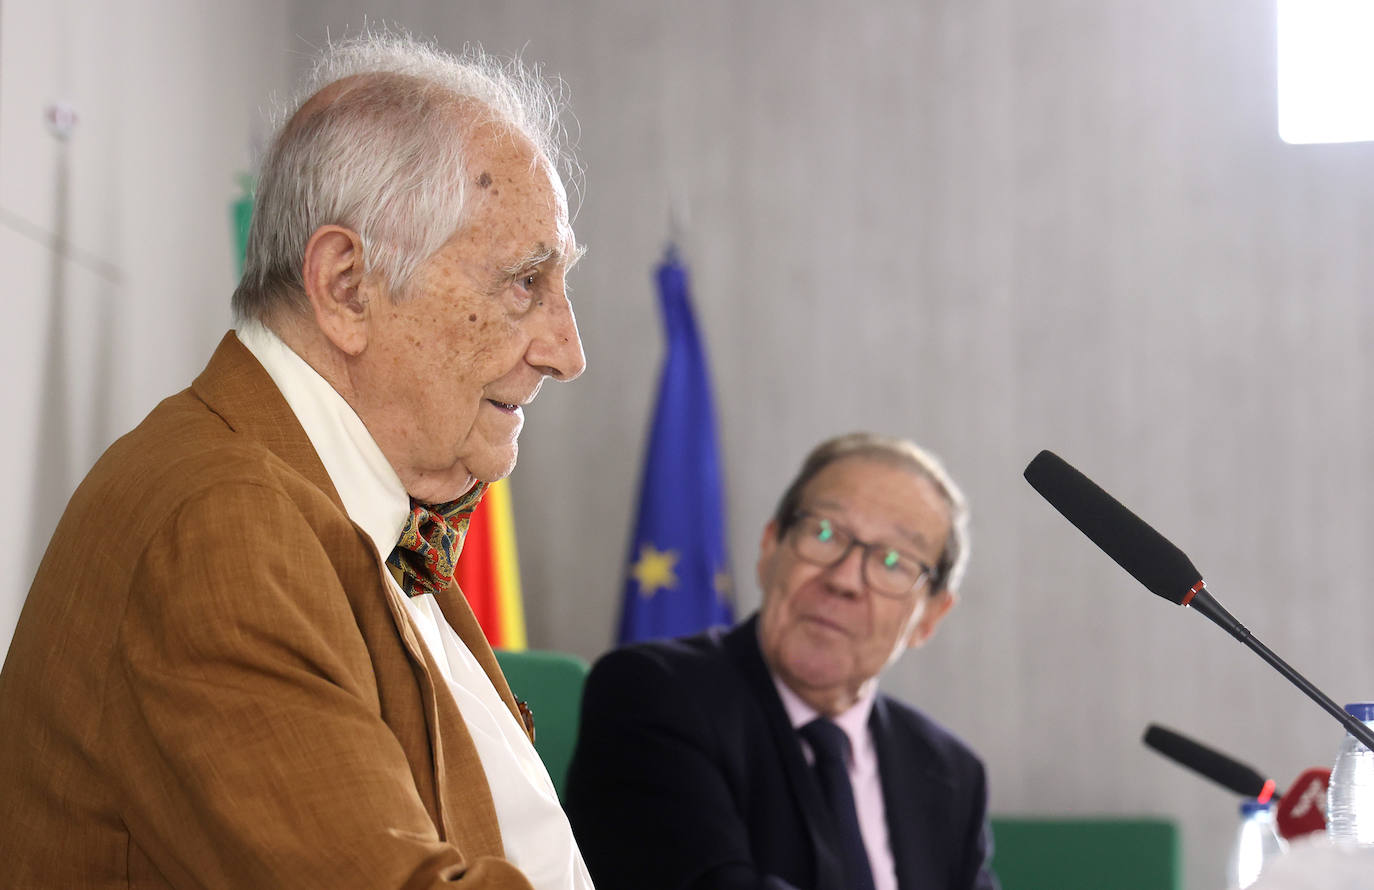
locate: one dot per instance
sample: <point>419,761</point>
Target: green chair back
<point>1107,853</point>
<point>551,684</point>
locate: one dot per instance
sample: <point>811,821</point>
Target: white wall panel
<point>116,242</point>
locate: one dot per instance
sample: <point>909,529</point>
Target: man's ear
<point>936,608</point>
<point>333,275</point>
<point>767,545</point>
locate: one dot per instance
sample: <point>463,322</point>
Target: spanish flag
<point>488,570</point>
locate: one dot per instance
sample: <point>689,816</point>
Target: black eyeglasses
<point>886,569</point>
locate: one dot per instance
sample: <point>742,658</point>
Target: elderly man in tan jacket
<point>242,662</point>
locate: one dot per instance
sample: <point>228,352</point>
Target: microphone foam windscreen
<point>1139,549</point>
<point>1201,759</point>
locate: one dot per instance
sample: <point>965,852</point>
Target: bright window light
<point>1326,70</point>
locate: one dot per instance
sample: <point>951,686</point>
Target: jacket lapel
<point>743,645</point>
<point>459,615</point>
<point>914,795</point>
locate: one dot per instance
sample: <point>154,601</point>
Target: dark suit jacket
<point>213,685</point>
<point>688,774</point>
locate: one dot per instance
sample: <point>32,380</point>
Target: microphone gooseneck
<point>1155,562</point>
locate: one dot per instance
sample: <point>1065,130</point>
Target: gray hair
<point>385,157</point>
<point>949,572</point>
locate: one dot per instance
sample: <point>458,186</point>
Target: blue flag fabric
<point>678,580</point>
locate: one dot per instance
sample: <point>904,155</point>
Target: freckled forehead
<point>516,188</point>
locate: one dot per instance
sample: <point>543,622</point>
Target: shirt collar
<point>854,720</point>
<point>372,493</point>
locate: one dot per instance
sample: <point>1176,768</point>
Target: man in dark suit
<point>765,757</point>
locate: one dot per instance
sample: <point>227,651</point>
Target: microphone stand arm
<point>1206,604</point>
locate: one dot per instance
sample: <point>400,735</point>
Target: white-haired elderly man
<point>242,662</point>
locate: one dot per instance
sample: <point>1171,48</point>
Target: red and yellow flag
<point>488,570</point>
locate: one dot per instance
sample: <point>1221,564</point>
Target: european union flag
<point>678,580</point>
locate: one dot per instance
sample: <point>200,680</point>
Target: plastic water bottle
<point>1257,844</point>
<point>1350,797</point>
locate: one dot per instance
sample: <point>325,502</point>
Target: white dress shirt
<point>534,830</point>
<point>863,775</point>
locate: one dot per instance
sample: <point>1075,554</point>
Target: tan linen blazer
<point>212,685</point>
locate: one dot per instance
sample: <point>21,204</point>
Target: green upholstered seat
<point>551,684</point>
<point>1103,853</point>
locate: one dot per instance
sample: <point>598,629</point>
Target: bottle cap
<point>1361,710</point>
<point>1251,807</point>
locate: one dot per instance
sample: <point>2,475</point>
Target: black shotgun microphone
<point>1155,562</point>
<point>1210,763</point>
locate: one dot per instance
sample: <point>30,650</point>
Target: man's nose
<point>557,347</point>
<point>847,575</point>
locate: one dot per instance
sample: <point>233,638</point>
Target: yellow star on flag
<point>654,569</point>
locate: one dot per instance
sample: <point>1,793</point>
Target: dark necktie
<point>831,747</point>
<point>423,560</point>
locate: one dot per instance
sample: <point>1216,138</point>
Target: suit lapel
<point>459,615</point>
<point>914,795</point>
<point>466,811</point>
<point>742,644</point>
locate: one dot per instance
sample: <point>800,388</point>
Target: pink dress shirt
<point>863,775</point>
